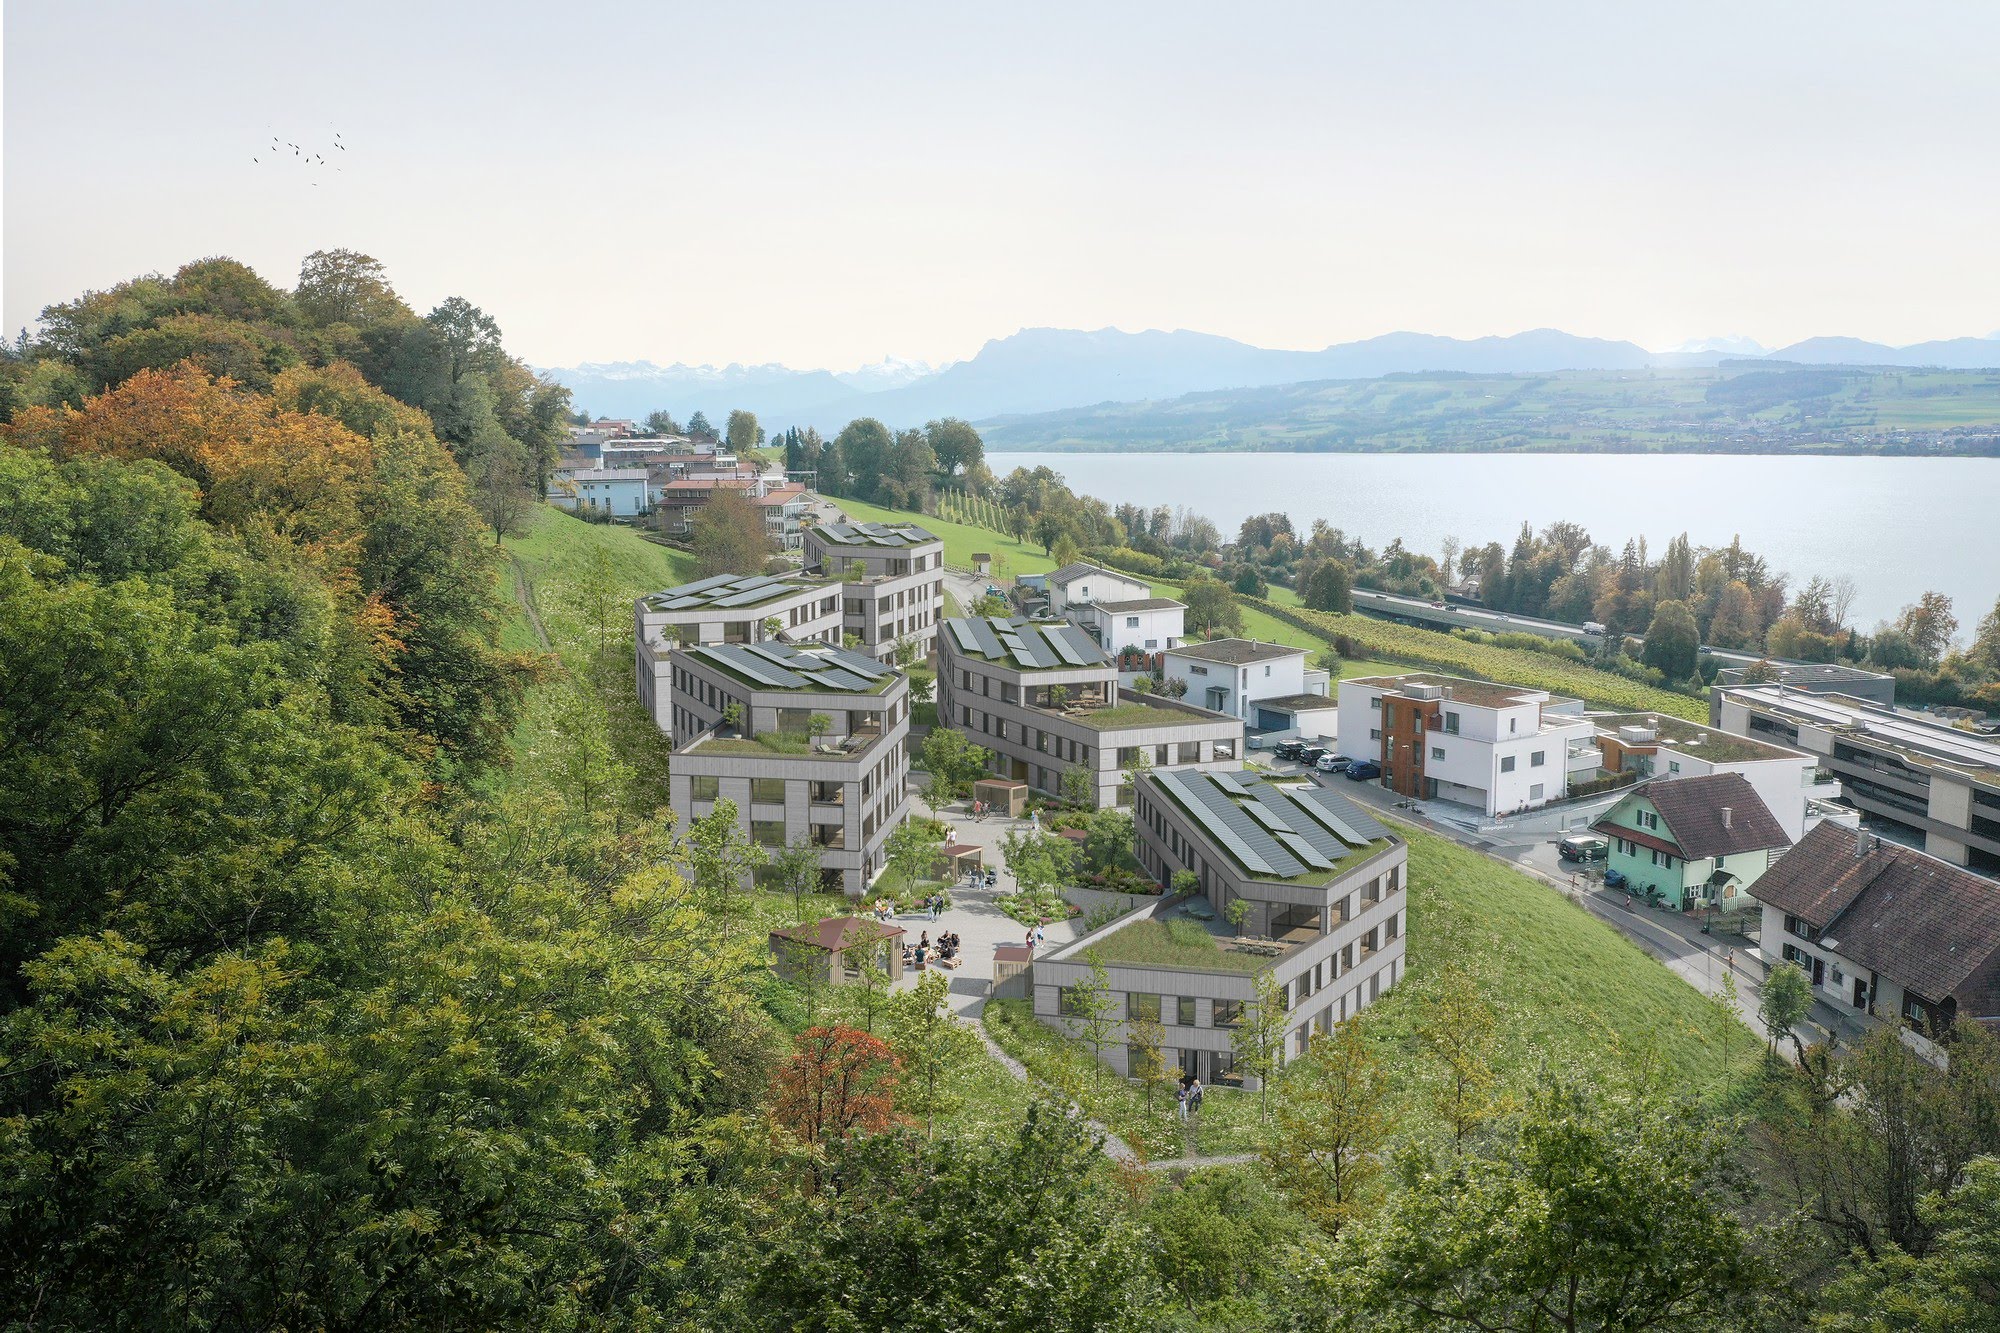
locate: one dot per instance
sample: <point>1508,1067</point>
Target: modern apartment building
<point>1045,699</point>
<point>1923,780</point>
<point>1323,884</point>
<point>892,577</point>
<point>1232,675</point>
<point>1150,625</point>
<point>1664,746</point>
<point>1497,748</point>
<point>727,608</point>
<point>1883,930</point>
<point>810,743</point>
<point>1815,678</point>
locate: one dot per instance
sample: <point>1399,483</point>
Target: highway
<point>1431,615</point>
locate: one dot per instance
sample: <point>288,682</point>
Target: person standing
<point>1039,937</point>
<point>1181,1102</point>
<point>1194,1097</point>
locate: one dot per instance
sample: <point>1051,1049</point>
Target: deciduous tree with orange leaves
<point>840,1082</point>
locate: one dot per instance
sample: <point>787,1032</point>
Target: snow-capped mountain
<point>891,372</point>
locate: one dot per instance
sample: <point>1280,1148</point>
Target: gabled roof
<point>1925,923</point>
<point>1691,808</point>
<point>1236,652</point>
<point>1069,574</point>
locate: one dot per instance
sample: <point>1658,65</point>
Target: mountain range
<point>1043,370</point>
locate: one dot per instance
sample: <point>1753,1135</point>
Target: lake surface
<point>1898,526</point>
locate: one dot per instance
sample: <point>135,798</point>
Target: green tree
<point>933,1046</point>
<point>698,427</point>
<point>741,433</point>
<point>1458,1030</point>
<point>1078,787</point>
<point>1041,863</point>
<point>956,446</point>
<point>953,762</point>
<point>1928,624</point>
<point>1087,1005</point>
<point>720,858</point>
<point>864,446</point>
<point>1259,1040</point>
<point>1332,1125</point>
<point>796,870</point>
<point>503,487</point>
<point>1673,644</point>
<point>1784,1004</point>
<point>661,422</point>
<point>1211,607</point>
<point>729,536</point>
<point>1955,1286</point>
<point>910,852</point>
<point>1331,588</point>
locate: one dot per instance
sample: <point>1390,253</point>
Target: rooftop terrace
<point>1303,834</point>
<point>729,592</point>
<point>1709,743</point>
<point>1478,693</point>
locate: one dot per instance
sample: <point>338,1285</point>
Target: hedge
<point>1442,652</point>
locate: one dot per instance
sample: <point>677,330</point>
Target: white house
<point>1231,675</point>
<point>1665,746</point>
<point>1149,624</point>
<point>1074,585</point>
<point>1497,748</point>
<point>620,491</point>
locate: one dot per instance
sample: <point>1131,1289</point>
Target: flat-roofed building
<point>1815,678</point>
<point>1325,910</point>
<point>727,608</point>
<point>1925,781</point>
<point>1149,625</point>
<point>892,575</point>
<point>1659,745</point>
<point>618,491</point>
<point>1232,675</point>
<point>1498,748</point>
<point>1044,698</point>
<point>817,750</point>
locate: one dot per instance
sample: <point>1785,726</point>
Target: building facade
<point>755,608</point>
<point>1044,699</point>
<point>1147,624</point>
<point>1662,746</point>
<point>1693,842</point>
<point>811,744</point>
<point>1497,748</point>
<point>892,577</point>
<point>1927,781</point>
<point>620,492</point>
<point>1075,586</point>
<point>1323,920</point>
<point>1231,675</point>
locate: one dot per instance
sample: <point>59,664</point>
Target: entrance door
<point>1819,972</point>
<point>1860,993</point>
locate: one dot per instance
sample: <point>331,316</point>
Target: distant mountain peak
<point>1728,344</point>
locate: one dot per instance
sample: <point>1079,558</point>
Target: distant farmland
<point>1763,407</point>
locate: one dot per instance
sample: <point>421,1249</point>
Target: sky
<point>825,185</point>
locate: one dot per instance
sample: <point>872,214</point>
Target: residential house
<point>811,744</point>
<point>1073,586</point>
<point>1233,675</point>
<point>783,504</point>
<point>1661,745</point>
<point>728,608</point>
<point>1884,930</point>
<point>1318,886</point>
<point>1693,842</point>
<point>1925,778</point>
<point>1148,625</point>
<point>619,492</point>
<point>1044,698</point>
<point>1497,748</point>
<point>892,581</point>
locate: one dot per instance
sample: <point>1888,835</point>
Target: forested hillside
<point>352,978</point>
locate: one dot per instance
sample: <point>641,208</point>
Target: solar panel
<point>1304,850</point>
<point>962,632</point>
<point>988,641</point>
<point>743,597</point>
<point>1060,642</point>
<point>744,665</point>
<point>859,665</point>
<point>700,585</point>
<point>842,680</point>
<point>683,603</point>
<point>1228,782</point>
<point>1024,655</point>
<point>771,654</point>
<point>1217,829</point>
<point>1267,817</point>
<point>1339,827</point>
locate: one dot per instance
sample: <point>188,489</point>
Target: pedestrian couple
<point>1034,940</point>
<point>1189,1098</point>
<point>933,905</point>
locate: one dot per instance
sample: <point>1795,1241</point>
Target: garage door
<point>1270,721</point>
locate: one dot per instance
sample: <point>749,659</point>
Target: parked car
<point>1614,879</point>
<point>1332,763</point>
<point>1312,754</point>
<point>1367,768</point>
<point>1583,848</point>
<point>1288,749</point>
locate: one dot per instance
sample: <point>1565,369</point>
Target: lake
<point>1898,526</point>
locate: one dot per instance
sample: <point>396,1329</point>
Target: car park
<point>1367,768</point>
<point>1332,763</point>
<point>1583,848</point>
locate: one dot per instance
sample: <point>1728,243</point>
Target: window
<point>1437,752</point>
<point>767,832</point>
<point>1803,929</point>
<point>1374,733</point>
<point>1140,1006</point>
<point>1152,643</point>
<point>1224,749</point>
<point>706,789</point>
<point>1507,764</point>
<point>1451,723</point>
<point>1267,671</point>
<point>1197,671</point>
<point>1184,1010</point>
<point>1535,792</point>
<point>1513,725</point>
<point>1647,819</point>
<point>1189,752</point>
<point>768,789</point>
<point>1131,622</point>
<point>1673,766</point>
<point>1375,702</point>
<point>1075,1001</point>
<point>794,720</point>
<point>1538,758</point>
<point>1226,1014</point>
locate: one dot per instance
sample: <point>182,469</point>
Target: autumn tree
<point>503,488</point>
<point>1459,1030</point>
<point>729,536</point>
<point>839,1082</point>
<point>1929,624</point>
<point>1332,1124</point>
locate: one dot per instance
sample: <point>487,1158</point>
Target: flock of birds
<point>301,155</point>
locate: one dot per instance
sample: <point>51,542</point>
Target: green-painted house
<point>1693,842</point>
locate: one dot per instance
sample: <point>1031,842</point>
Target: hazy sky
<point>825,184</point>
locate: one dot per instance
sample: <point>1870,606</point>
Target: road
<point>1395,606</point>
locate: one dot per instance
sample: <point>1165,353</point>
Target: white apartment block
<point>1500,749</point>
<point>1231,675</point>
<point>1074,586</point>
<point>1145,624</point>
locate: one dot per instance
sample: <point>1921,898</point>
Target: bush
<point>1129,560</point>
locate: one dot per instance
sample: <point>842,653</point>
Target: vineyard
<point>975,510</point>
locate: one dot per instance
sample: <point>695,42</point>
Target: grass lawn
<point>1229,1120</point>
<point>1151,943</point>
<point>1562,983</point>
<point>583,715</point>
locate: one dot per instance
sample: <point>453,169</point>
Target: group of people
<point>942,954</point>
<point>1034,940</point>
<point>1189,1097</point>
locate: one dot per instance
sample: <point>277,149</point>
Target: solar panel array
<point>779,666</point>
<point>1271,831</point>
<point>875,534</point>
<point>723,590</point>
<point>1027,644</point>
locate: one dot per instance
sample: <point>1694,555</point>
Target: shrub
<point>1188,934</point>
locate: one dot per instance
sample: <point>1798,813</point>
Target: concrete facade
<point>1500,749</point>
<point>1149,624</point>
<point>808,611</point>
<point>1231,675</point>
<point>898,591</point>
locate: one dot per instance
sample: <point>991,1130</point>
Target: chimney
<point>1860,842</point>
<point>1725,816</point>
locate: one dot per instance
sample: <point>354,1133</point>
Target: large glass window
<point>767,832</point>
<point>1184,1010</point>
<point>705,789</point>
<point>1225,749</point>
<point>771,790</point>
<point>1226,1014</point>
<point>1140,1005</point>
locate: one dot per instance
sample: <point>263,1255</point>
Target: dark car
<point>1288,749</point>
<point>1367,768</point>
<point>1583,847</point>
<point>1311,755</point>
<point>1614,879</point>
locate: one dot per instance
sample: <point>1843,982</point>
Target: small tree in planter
<point>773,627</point>
<point>1058,696</point>
<point>1078,786</point>
<point>732,717</point>
<point>817,726</point>
<point>1236,914</point>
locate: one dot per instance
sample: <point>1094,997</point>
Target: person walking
<point>1181,1102</point>
<point>1038,936</point>
<point>1194,1097</point>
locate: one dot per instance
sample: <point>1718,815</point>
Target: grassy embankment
<point>1563,987</point>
